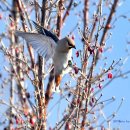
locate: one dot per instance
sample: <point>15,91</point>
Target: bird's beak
<point>74,47</point>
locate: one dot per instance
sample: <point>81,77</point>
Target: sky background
<point>120,88</point>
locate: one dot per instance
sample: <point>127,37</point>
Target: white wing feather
<point>44,45</point>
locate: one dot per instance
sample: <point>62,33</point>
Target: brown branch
<point>40,87</point>
<point>36,10</point>
<point>104,35</point>
<point>108,22</point>
<point>49,87</point>
<point>25,29</point>
<point>95,21</point>
<point>86,17</point>
<point>59,17</point>
<point>67,11</point>
<point>14,13</point>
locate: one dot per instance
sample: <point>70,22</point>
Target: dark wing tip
<point>39,28</point>
<point>46,32</point>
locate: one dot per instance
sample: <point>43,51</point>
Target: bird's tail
<point>58,80</point>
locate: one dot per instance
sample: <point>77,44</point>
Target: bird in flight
<point>48,45</point>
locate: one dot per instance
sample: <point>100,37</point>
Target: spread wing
<point>44,31</point>
<point>44,45</point>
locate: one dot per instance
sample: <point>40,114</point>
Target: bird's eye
<point>70,47</point>
<point>69,43</point>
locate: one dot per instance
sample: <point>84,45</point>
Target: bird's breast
<point>61,61</point>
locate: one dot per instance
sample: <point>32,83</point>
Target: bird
<point>48,45</point>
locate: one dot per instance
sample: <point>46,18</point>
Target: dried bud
<point>90,50</point>
<point>77,54</point>
<point>100,86</point>
<point>96,19</point>
<point>76,69</point>
<point>69,94</point>
<point>1,16</point>
<point>90,103</point>
<point>93,99</point>
<point>28,95</point>
<point>17,50</point>
<point>73,37</point>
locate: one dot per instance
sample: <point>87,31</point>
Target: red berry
<point>78,101</point>
<point>86,89</point>
<point>100,49</point>
<point>33,120</point>
<point>108,26</point>
<point>67,12</point>
<point>17,120</point>
<point>76,69</point>
<point>17,50</point>
<point>92,90</point>
<point>110,75</point>
<point>68,126</point>
<point>77,54</point>
<point>12,24</point>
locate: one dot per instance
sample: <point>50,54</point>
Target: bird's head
<point>70,43</point>
<point>66,44</point>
